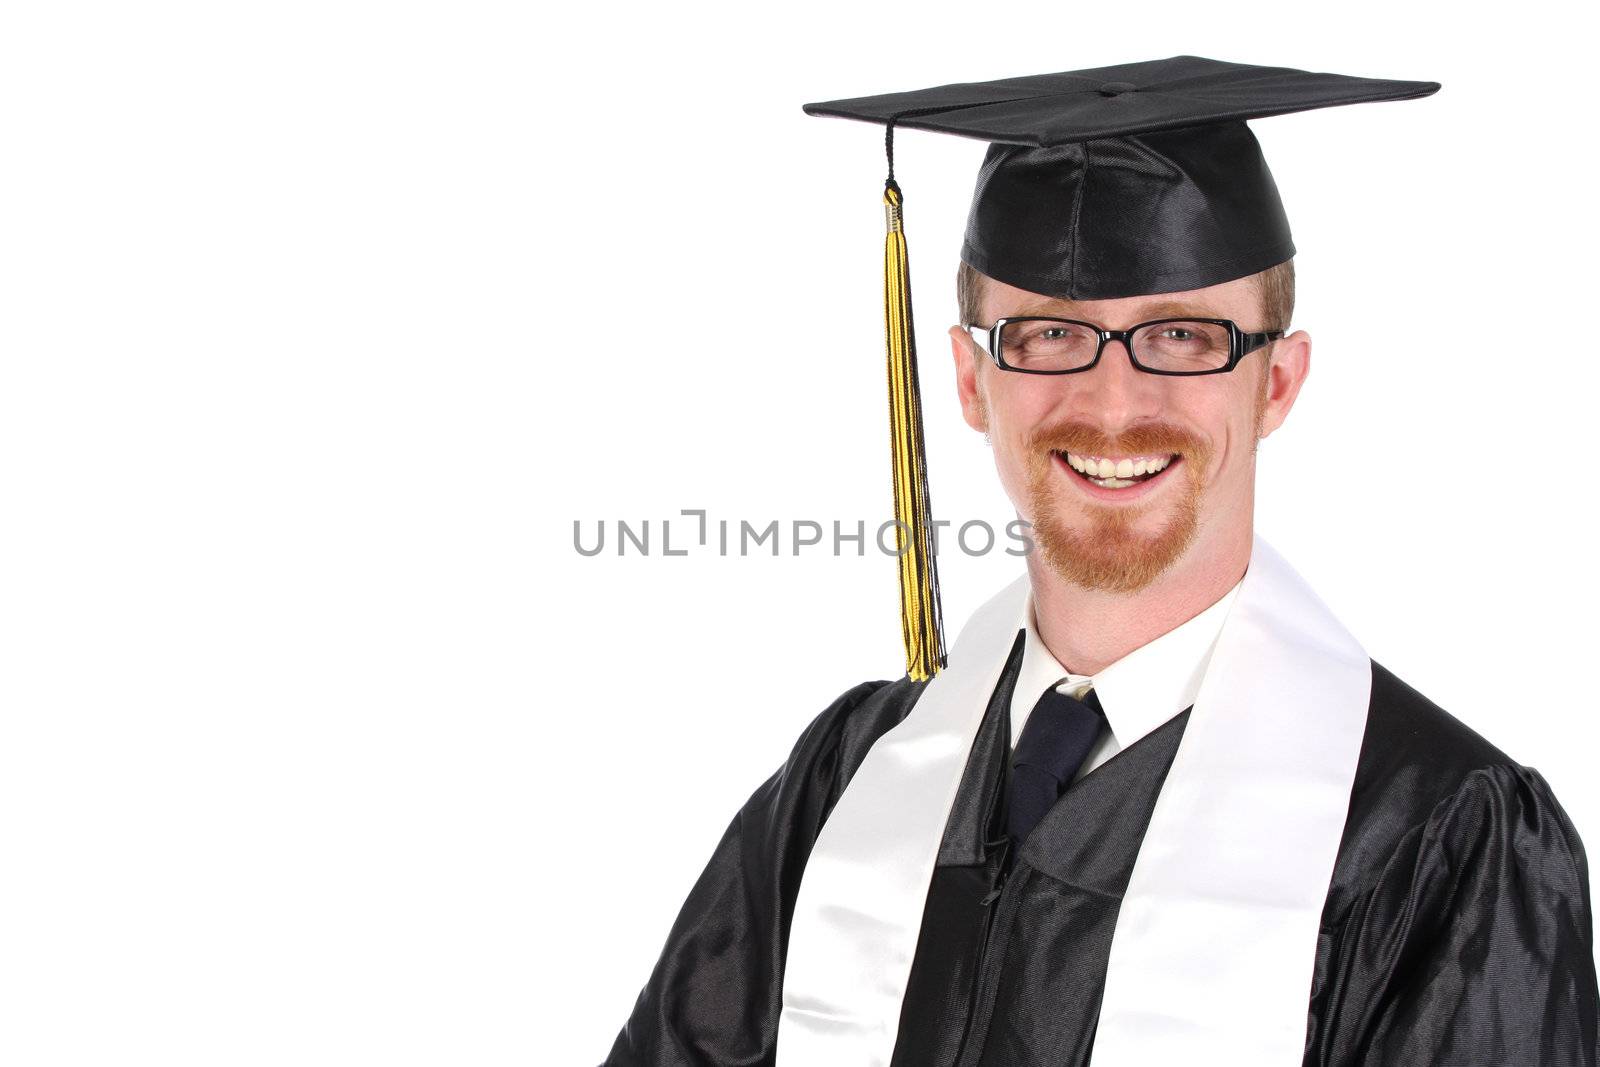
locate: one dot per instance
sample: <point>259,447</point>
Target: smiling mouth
<point>1119,473</point>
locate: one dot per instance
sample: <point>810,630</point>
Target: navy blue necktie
<point>1056,740</point>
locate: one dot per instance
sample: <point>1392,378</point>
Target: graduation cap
<point>1118,181</point>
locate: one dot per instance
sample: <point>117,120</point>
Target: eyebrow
<point>1162,309</point>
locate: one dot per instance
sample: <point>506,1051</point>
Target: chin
<point>1110,549</point>
<point>1115,512</point>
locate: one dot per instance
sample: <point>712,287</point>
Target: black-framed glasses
<point>1162,346</point>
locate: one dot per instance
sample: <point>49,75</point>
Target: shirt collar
<point>1138,692</point>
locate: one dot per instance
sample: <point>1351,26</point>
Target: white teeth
<point>1115,474</point>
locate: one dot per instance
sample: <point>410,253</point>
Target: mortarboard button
<point>1117,88</point>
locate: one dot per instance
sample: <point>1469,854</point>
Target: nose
<point>1115,393</point>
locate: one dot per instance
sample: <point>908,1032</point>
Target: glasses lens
<point>1047,344</point>
<point>1181,345</point>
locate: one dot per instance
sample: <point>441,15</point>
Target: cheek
<point>1236,435</point>
<point>1011,409</point>
<point>1009,424</point>
<point>1008,429</point>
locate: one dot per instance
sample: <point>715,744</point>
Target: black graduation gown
<point>1456,930</point>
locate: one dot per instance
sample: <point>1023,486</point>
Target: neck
<point>1087,630</point>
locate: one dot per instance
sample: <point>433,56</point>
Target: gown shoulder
<point>715,993</point>
<point>1457,928</point>
<point>831,748</point>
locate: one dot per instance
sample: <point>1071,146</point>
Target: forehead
<point>1239,300</point>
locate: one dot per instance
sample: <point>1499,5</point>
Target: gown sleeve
<point>1474,948</point>
<point>715,994</point>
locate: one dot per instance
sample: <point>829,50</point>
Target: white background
<point>321,323</point>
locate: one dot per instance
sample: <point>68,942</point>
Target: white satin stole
<point>1211,961</point>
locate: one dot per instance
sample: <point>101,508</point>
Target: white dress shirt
<point>1138,692</point>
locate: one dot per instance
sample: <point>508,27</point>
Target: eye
<point>1177,333</point>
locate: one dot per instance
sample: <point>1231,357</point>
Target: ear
<point>1286,373</point>
<point>968,389</point>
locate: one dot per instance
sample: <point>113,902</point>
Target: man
<point>1159,806</point>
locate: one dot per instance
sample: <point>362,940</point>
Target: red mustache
<point>1145,439</point>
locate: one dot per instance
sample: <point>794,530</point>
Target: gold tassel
<point>920,616</point>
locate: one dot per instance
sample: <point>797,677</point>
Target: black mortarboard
<point>1120,181</point>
